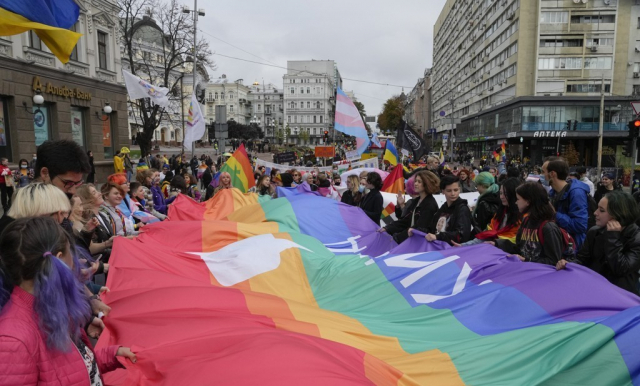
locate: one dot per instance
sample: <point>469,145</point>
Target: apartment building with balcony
<point>267,104</point>
<point>309,100</point>
<point>234,95</point>
<point>418,105</point>
<point>530,73</point>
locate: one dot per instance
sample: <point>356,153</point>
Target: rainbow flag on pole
<point>49,19</point>
<point>239,167</point>
<point>270,293</point>
<point>394,182</point>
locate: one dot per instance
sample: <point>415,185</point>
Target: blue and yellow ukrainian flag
<point>49,19</point>
<point>390,153</point>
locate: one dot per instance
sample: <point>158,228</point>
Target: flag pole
<point>195,62</point>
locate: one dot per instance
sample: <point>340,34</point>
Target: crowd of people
<point>58,230</point>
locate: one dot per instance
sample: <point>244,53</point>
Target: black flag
<point>411,141</point>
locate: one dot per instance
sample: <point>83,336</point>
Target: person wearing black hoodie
<point>539,238</point>
<point>420,210</point>
<point>452,222</point>
<point>372,201</point>
<point>488,202</point>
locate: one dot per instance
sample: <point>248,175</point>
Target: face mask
<point>361,189</point>
<point>23,166</point>
<point>35,158</point>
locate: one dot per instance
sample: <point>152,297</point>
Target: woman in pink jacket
<point>43,311</point>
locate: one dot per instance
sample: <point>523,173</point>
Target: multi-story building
<point>530,74</point>
<point>267,102</point>
<point>309,100</point>
<point>418,105</point>
<point>234,95</point>
<point>74,93</point>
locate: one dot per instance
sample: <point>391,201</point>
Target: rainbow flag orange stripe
<point>394,183</point>
<point>239,167</point>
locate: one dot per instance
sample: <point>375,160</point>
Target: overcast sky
<point>373,40</point>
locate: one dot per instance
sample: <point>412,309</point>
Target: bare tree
<point>157,43</point>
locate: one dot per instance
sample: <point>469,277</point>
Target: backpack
<point>568,243</point>
<point>592,207</point>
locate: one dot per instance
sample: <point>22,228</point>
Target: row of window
<point>305,118</point>
<point>576,42</point>
<point>316,90</point>
<point>304,80</point>
<point>588,87</point>
<point>599,63</point>
<point>506,15</point>
<point>36,43</point>
<point>316,105</point>
<point>557,17</point>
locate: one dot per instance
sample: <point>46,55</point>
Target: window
<point>293,90</point>
<point>314,121</point>
<point>41,126</point>
<point>231,108</point>
<point>593,19</point>
<point>636,67</point>
<point>320,118</point>
<point>559,63</point>
<point>588,88</point>
<point>216,95</point>
<point>74,53</point>
<point>314,129</point>
<point>600,42</point>
<point>107,134</point>
<point>5,148</point>
<point>295,119</point>
<point>301,90</point>
<point>102,50</point>
<point>34,41</point>
<point>599,63</point>
<point>308,105</point>
<point>230,95</point>
<point>554,17</point>
<point>308,90</point>
<point>146,55</point>
<point>289,118</point>
<point>77,125</point>
<point>259,107</point>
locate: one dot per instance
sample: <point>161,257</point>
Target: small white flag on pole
<point>139,88</point>
<point>195,123</point>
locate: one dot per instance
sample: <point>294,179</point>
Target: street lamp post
<point>196,12</point>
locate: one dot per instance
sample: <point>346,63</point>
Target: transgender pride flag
<point>349,121</point>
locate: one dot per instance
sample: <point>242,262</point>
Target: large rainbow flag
<point>302,290</point>
<point>51,20</point>
<point>394,182</point>
<point>239,167</point>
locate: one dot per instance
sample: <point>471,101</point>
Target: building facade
<point>418,105</point>
<point>309,101</point>
<point>234,95</point>
<point>530,74</point>
<point>267,104</point>
<point>74,93</point>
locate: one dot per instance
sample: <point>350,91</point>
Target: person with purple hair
<point>43,309</point>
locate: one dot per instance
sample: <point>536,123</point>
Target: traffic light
<point>634,128</point>
<point>627,150</point>
<point>326,136</point>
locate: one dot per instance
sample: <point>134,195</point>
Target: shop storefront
<point>536,128</point>
<point>72,108</point>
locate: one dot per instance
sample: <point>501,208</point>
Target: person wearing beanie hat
<point>607,184</point>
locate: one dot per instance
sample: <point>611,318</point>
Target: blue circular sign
<point>442,113</point>
<point>38,118</point>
